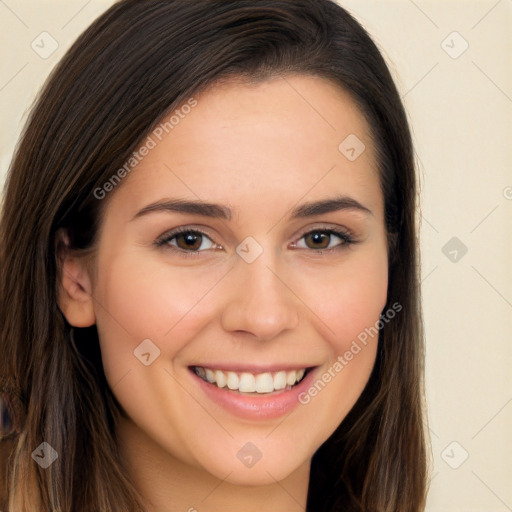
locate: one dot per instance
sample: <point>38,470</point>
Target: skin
<point>259,150</point>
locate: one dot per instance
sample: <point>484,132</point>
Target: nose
<point>260,301</point>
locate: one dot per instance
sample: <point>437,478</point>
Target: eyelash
<point>163,242</point>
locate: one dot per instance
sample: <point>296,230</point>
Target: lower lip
<point>254,407</point>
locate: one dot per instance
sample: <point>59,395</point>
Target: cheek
<point>347,314</point>
<point>357,304</point>
<point>349,297</point>
<point>139,300</point>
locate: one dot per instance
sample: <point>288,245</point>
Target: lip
<point>252,368</point>
<point>254,407</point>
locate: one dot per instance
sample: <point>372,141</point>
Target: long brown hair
<point>135,64</point>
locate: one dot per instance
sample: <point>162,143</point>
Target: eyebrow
<point>217,211</point>
<point>328,206</point>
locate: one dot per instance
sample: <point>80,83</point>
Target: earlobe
<point>74,290</point>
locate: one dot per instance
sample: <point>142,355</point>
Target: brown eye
<point>187,241</point>
<point>322,239</point>
<point>317,240</point>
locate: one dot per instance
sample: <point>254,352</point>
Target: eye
<point>324,239</point>
<point>188,240</point>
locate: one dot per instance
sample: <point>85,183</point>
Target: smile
<point>246,382</point>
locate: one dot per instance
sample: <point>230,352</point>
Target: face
<point>264,294</point>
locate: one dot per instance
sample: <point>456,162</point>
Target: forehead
<point>277,139</point>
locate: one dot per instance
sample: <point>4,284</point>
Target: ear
<point>74,285</point>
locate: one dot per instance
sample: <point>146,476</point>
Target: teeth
<point>220,379</point>
<point>280,380</point>
<point>291,378</point>
<point>232,381</point>
<point>210,377</point>
<point>264,383</point>
<point>246,382</point>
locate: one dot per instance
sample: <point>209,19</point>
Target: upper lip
<point>253,368</point>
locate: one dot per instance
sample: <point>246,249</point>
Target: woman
<point>209,280</point>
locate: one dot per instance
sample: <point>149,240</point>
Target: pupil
<point>318,238</point>
<point>191,241</point>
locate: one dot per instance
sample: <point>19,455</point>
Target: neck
<point>169,484</point>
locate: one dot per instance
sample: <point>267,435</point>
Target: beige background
<point>460,106</point>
